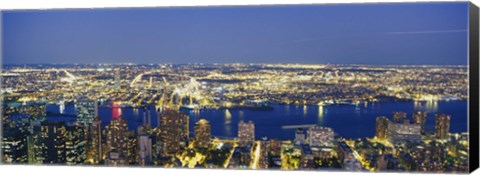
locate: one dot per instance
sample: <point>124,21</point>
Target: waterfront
<point>346,120</point>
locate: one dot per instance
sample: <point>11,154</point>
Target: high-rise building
<point>75,144</point>
<point>320,136</point>
<point>117,135</point>
<point>85,111</point>
<point>58,142</point>
<point>95,151</point>
<point>442,126</point>
<point>14,143</point>
<point>246,133</point>
<point>382,127</point>
<point>300,136</point>
<point>306,160</point>
<point>403,132</point>
<point>399,117</point>
<point>132,148</point>
<point>202,133</point>
<point>49,142</point>
<point>117,80</point>
<point>145,153</point>
<point>263,162</point>
<point>174,131</point>
<point>419,118</point>
<point>346,157</point>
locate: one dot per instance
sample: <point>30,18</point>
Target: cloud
<point>427,32</point>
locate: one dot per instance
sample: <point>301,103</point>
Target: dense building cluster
<point>31,135</point>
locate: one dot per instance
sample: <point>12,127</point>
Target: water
<point>347,121</point>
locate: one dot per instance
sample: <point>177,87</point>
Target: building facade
<point>246,133</point>
<point>202,133</point>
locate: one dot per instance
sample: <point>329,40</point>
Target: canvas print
<point>380,87</point>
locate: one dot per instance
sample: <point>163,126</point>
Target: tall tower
<point>95,152</point>
<point>145,153</point>
<point>202,133</point>
<point>85,111</point>
<point>117,80</point>
<point>300,136</point>
<point>173,130</point>
<point>117,135</point>
<point>382,127</point>
<point>442,126</point>
<point>419,118</point>
<point>246,133</point>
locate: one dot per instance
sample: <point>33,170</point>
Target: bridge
<point>298,126</point>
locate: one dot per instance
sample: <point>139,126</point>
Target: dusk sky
<point>394,33</point>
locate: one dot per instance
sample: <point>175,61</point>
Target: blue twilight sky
<point>390,33</point>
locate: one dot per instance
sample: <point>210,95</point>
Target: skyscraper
<point>14,143</point>
<point>399,117</point>
<point>246,133</point>
<point>420,117</point>
<point>75,144</point>
<point>116,136</point>
<point>95,151</point>
<point>117,80</point>
<point>202,133</point>
<point>173,130</point>
<point>263,162</point>
<point>382,127</point>
<point>58,142</point>
<point>49,142</point>
<point>320,136</point>
<point>85,110</point>
<point>442,126</point>
<point>145,153</point>
<point>299,136</point>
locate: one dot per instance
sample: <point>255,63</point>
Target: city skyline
<point>358,87</point>
<point>369,33</point>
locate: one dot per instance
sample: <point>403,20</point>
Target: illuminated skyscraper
<point>246,133</point>
<point>442,126</point>
<point>202,133</point>
<point>117,135</point>
<point>320,136</point>
<point>382,127</point>
<point>75,144</point>
<point>49,142</point>
<point>14,143</point>
<point>419,118</point>
<point>399,117</point>
<point>95,151</point>
<point>263,162</point>
<point>85,110</point>
<point>300,136</point>
<point>58,142</point>
<point>145,153</point>
<point>132,148</point>
<point>117,80</point>
<point>173,130</point>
